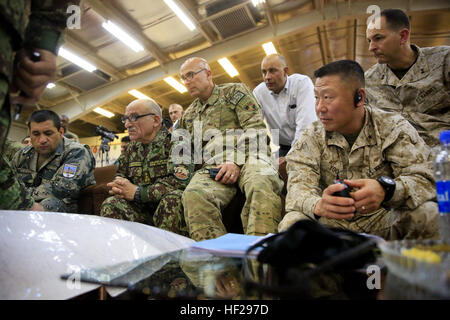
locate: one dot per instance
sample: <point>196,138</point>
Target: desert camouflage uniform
<point>231,106</point>
<point>56,185</point>
<point>23,24</point>
<point>422,96</point>
<point>387,145</point>
<point>161,183</point>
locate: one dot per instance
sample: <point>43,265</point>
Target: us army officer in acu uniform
<point>213,122</point>
<point>54,169</point>
<point>378,154</point>
<point>148,185</point>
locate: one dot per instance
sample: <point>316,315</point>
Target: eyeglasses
<point>188,76</point>
<point>134,117</point>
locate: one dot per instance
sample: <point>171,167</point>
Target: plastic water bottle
<point>442,176</point>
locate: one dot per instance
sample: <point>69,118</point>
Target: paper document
<point>230,245</point>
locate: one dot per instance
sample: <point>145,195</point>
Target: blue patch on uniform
<point>69,170</point>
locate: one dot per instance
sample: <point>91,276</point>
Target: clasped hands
<point>367,198</point>
<point>122,188</point>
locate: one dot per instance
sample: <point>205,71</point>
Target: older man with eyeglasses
<point>148,184</point>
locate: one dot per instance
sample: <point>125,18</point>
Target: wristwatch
<point>137,195</point>
<point>388,185</point>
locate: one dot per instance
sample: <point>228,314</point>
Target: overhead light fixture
<point>72,57</point>
<point>229,68</point>
<point>104,112</point>
<point>120,34</point>
<point>180,13</point>
<point>175,84</point>
<point>51,85</point>
<point>258,2</point>
<point>269,48</point>
<point>139,94</point>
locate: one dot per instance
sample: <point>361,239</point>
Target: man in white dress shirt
<point>287,102</point>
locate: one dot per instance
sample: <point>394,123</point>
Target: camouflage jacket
<point>10,148</point>
<point>386,145</point>
<point>62,176</point>
<point>218,127</point>
<point>31,24</point>
<point>422,96</point>
<point>150,167</point>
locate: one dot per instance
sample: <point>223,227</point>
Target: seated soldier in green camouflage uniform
<point>53,168</point>
<point>391,184</point>
<point>148,185</point>
<point>227,115</point>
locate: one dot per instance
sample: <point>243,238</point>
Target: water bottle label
<point>443,196</point>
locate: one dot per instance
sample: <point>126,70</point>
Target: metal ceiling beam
<point>107,11</point>
<point>76,45</point>
<point>236,45</point>
<point>190,6</point>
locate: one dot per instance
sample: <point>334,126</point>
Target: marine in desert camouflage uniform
<point>411,81</point>
<point>360,143</point>
<point>148,184</point>
<point>217,111</point>
<point>32,25</point>
<point>54,169</point>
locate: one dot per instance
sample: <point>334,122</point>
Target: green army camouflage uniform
<point>422,96</point>
<point>231,106</point>
<point>56,185</point>
<point>23,24</point>
<point>161,183</point>
<point>387,145</point>
<point>10,148</point>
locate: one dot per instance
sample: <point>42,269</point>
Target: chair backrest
<point>105,174</point>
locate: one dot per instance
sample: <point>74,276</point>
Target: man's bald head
<point>196,61</point>
<point>278,58</point>
<point>275,72</point>
<point>197,77</point>
<point>148,106</point>
<point>148,123</point>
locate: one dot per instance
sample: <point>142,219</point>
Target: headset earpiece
<point>357,98</point>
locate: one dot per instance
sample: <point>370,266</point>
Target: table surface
<point>36,248</point>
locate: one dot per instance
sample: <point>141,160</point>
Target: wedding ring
<point>363,208</point>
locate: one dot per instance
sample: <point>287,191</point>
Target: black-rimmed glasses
<point>134,117</point>
<point>188,76</point>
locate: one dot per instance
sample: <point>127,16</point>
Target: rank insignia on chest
<point>181,172</point>
<point>237,96</point>
<point>69,170</point>
<point>146,177</point>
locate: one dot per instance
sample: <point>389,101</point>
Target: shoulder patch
<point>69,170</point>
<point>237,96</point>
<point>181,172</point>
